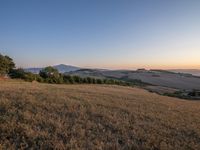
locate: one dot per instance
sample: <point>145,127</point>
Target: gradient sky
<point>116,34</point>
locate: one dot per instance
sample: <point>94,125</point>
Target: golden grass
<point>42,116</point>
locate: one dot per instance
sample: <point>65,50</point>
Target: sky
<point>112,34</point>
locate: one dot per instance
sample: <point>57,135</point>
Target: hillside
<point>175,79</point>
<point>155,77</point>
<point>44,116</point>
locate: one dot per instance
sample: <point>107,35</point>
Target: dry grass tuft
<point>42,116</point>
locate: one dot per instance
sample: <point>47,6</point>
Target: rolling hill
<point>161,78</point>
<point>45,116</point>
<point>154,77</point>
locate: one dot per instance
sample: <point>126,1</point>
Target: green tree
<point>21,74</point>
<point>51,75</point>
<point>68,79</point>
<point>6,64</point>
<point>99,81</point>
<point>17,73</point>
<point>28,76</point>
<point>77,79</point>
<point>94,81</point>
<point>49,72</point>
<point>85,80</point>
<point>39,78</point>
<point>89,80</point>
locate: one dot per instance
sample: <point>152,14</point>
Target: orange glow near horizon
<point>181,59</point>
<point>158,66</point>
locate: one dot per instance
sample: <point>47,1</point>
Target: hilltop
<point>45,116</point>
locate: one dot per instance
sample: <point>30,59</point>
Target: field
<point>44,116</point>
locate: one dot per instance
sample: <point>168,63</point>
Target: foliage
<point>50,75</point>
<point>6,64</point>
<point>27,76</point>
<point>17,73</point>
<point>49,72</point>
<point>68,79</point>
<point>185,94</point>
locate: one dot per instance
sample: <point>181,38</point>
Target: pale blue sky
<point>116,34</point>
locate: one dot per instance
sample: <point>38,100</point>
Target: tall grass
<point>45,116</point>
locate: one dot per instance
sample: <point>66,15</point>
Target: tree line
<point>49,75</point>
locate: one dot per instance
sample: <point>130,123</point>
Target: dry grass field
<point>42,116</point>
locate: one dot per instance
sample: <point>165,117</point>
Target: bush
<point>99,81</point>
<point>84,80</point>
<point>89,80</point>
<point>17,73</point>
<point>21,74</point>
<point>68,79</point>
<point>29,77</point>
<point>94,81</point>
<point>39,78</point>
<point>77,79</point>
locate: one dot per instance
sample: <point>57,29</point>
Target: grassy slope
<point>94,116</point>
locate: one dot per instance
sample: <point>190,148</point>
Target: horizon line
<point>111,68</point>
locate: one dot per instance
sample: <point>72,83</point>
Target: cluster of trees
<point>27,76</point>
<point>6,65</point>
<point>51,75</point>
<point>193,94</point>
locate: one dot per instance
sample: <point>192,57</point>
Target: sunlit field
<point>45,116</point>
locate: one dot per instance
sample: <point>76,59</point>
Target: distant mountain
<point>194,72</point>
<point>61,68</point>
<point>66,68</point>
<point>33,70</point>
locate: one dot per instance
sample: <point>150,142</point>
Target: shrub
<point>17,73</point>
<point>68,79</point>
<point>94,81</point>
<point>29,76</point>
<point>89,80</point>
<point>99,81</point>
<point>39,78</point>
<point>77,79</point>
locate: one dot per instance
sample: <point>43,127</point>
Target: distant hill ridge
<point>164,78</point>
<point>62,68</point>
<point>195,72</point>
